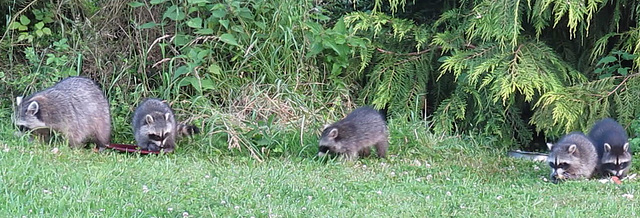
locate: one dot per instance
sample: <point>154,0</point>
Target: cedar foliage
<point>506,68</point>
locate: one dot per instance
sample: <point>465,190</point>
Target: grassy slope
<point>429,176</point>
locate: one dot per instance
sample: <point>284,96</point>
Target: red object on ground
<point>130,149</point>
<point>616,180</point>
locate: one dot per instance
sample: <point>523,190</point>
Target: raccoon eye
<point>560,165</point>
<point>155,137</point>
<point>563,165</point>
<point>624,165</point>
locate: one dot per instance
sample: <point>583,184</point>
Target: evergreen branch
<point>624,81</point>
<point>468,45</point>
<point>399,63</point>
<point>407,54</point>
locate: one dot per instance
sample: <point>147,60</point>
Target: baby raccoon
<point>155,128</point>
<point>612,144</point>
<point>573,157</point>
<point>74,107</point>
<point>355,134</point>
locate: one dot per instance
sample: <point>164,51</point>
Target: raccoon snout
<point>153,147</point>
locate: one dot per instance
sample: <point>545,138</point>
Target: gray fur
<point>355,134</point>
<point>574,156</point>
<point>155,127</point>
<point>612,144</point>
<point>75,107</point>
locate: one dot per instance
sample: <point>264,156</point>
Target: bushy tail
<point>187,130</point>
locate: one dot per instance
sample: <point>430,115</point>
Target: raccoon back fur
<point>574,156</point>
<point>612,144</point>
<point>74,107</point>
<point>355,134</point>
<point>155,128</point>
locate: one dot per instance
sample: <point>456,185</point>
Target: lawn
<point>425,176</point>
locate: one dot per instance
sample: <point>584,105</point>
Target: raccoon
<point>612,144</point>
<point>574,156</point>
<point>74,107</point>
<point>155,128</point>
<point>355,134</point>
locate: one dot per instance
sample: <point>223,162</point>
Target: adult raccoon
<point>612,144</point>
<point>355,134</point>
<point>155,128</point>
<point>74,107</point>
<point>574,156</point>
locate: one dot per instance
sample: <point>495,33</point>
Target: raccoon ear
<point>148,119</point>
<point>626,146</point>
<point>167,116</point>
<point>18,100</point>
<point>549,145</point>
<point>333,133</point>
<point>607,147</point>
<point>33,108</point>
<point>572,148</point>
<point>325,126</point>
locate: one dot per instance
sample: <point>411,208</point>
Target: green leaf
<point>214,69</point>
<point>195,23</point>
<point>340,49</point>
<point>147,25</point>
<point>315,49</point>
<point>174,13</point>
<point>598,71</point>
<point>207,84</point>
<point>204,31</point>
<point>316,28</point>
<point>202,54</point>
<point>24,20</point>
<point>237,28</point>
<point>244,13</point>
<point>229,39</point>
<point>180,71</point>
<point>46,31</point>
<point>135,4</point>
<point>606,75</point>
<point>15,25</point>
<point>220,13</point>
<point>623,71</point>
<point>203,83</point>
<point>340,27</point>
<point>193,2</point>
<point>180,40</point>
<point>39,33</point>
<point>225,23</point>
<point>189,80</point>
<point>628,57</point>
<point>39,25</point>
<point>606,60</point>
<point>155,2</point>
<point>50,59</point>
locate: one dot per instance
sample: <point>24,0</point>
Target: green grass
<point>424,176</point>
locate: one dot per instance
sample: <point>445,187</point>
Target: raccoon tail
<point>187,130</point>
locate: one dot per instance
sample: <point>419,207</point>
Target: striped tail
<point>187,130</point>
